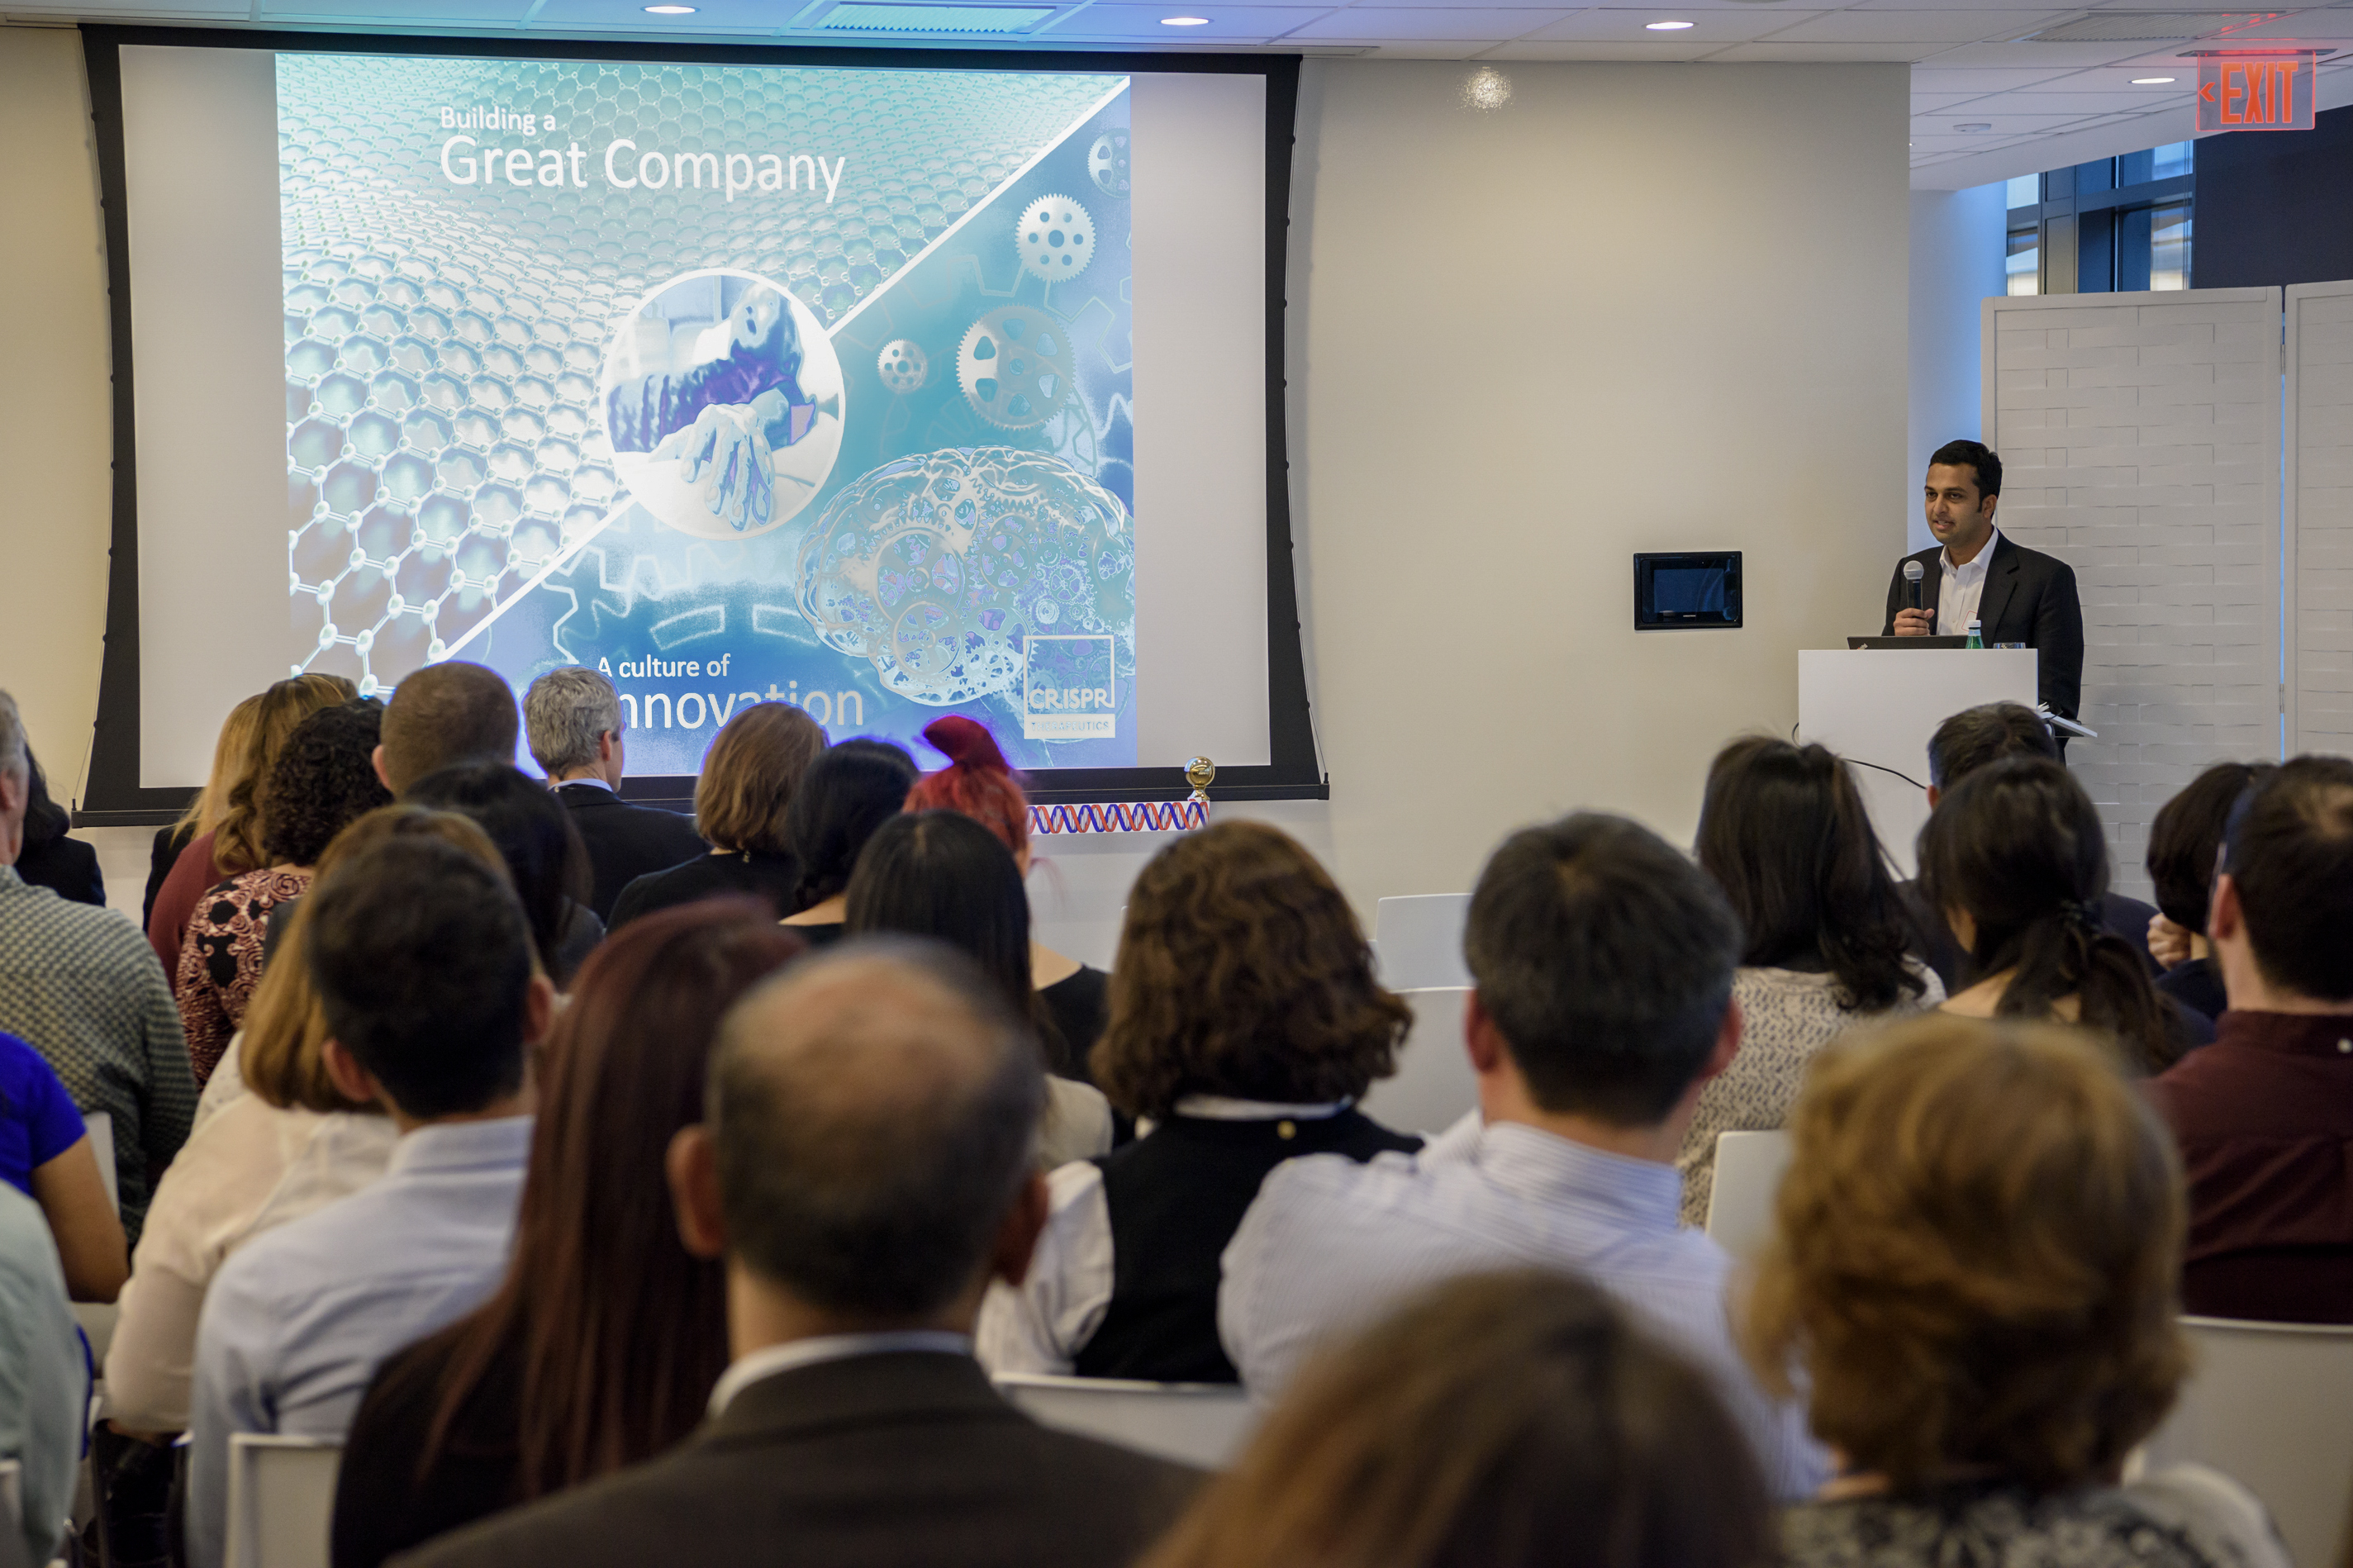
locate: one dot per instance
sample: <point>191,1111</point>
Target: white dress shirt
<point>771,1360</point>
<point>1042,1326</point>
<point>1963,588</point>
<point>1330,1244</point>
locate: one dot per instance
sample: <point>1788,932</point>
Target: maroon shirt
<point>2265,1117</point>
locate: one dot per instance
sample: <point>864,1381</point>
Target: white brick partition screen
<point>2319,578</point>
<point>2140,444</point>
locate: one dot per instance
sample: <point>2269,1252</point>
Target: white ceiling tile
<point>1595,49</point>
<point>1720,26</point>
<point>1930,102</point>
<point>1817,54</point>
<point>1956,26</point>
<point>1366,24</point>
<point>2085,103</point>
<point>1227,24</point>
<point>2004,124</point>
<point>2038,57</point>
<point>1417,48</point>
<point>439,13</point>
<point>1937,78</point>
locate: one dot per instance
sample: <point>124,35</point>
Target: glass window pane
<point>2025,260</point>
<point>2173,158</point>
<point>2026,190</point>
<point>2169,246</point>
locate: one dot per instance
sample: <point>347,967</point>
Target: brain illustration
<point>937,568</point>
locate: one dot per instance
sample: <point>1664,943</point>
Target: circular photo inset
<point>723,398</point>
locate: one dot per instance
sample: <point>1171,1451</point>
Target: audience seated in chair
<point>978,782</point>
<point>1973,1273</point>
<point>544,858</point>
<point>2016,859</point>
<point>2265,1115</point>
<point>83,988</point>
<point>847,794</point>
<point>66,866</point>
<point>45,1154</point>
<point>2183,839</point>
<point>322,781</point>
<point>573,718</point>
<point>865,1171</point>
<point>1245,1023</point>
<point>210,804</point>
<point>422,958</point>
<point>1603,965</point>
<point>1783,831</point>
<point>538,1391</point>
<point>44,1386</point>
<point>748,780</point>
<point>1507,1421</point>
<point>442,715</point>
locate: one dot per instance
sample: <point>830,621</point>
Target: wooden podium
<point>1879,706</point>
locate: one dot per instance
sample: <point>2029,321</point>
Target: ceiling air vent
<point>2150,27</point>
<point>855,18</point>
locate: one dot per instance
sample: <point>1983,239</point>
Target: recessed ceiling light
<point>669,10</point>
<point>1666,26</point>
<point>2150,81</point>
<point>1184,21</point>
<point>1974,125</point>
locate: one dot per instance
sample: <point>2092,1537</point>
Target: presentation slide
<point>737,384</point>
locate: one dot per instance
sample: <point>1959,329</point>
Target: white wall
<point>1958,241</point>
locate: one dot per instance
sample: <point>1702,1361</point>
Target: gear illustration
<point>1015,367</point>
<point>1107,162</point>
<point>904,366</point>
<point>1058,239</point>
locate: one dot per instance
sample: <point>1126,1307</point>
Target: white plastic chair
<point>1203,1424</point>
<point>98,1318</point>
<point>1419,941</point>
<point>1433,1085</point>
<point>2271,1404</point>
<point>282,1500</point>
<point>1748,1171</point>
<point>100,1127</point>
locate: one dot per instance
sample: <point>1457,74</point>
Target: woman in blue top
<point>45,1153</point>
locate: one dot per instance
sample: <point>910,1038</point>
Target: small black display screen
<point>1687,590</point>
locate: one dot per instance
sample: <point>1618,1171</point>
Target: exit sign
<point>2253,91</point>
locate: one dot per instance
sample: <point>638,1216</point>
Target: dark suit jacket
<point>2029,597</point>
<point>905,1460</point>
<point>626,841</point>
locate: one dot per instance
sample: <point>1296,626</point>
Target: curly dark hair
<point>324,781</point>
<point>1242,972</point>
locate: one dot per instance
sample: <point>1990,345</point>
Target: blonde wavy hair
<point>1977,1256</point>
<point>237,832</point>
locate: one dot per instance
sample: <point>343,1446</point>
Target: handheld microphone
<point>1913,573</point>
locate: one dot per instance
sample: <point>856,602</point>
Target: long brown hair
<point>210,804</point>
<point>236,840</point>
<point>615,1333</point>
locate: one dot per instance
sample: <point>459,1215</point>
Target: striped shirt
<point>1330,1244</point>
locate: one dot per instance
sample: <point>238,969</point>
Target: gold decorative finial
<point>1201,773</point>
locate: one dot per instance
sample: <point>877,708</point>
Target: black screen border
<point>113,795</point>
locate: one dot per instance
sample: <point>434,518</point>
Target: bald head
<point>444,715</point>
<point>873,1113</point>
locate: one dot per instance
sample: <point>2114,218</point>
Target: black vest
<point>1176,1199</point>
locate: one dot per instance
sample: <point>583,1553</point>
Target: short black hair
<point>1987,733</point>
<point>1605,958</point>
<point>324,779</point>
<point>422,960</point>
<point>875,1193</point>
<point>2289,853</point>
<point>535,836</point>
<point>848,793</point>
<point>2186,834</point>
<point>1975,455</point>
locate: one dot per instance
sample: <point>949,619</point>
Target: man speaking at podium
<point>2017,594</point>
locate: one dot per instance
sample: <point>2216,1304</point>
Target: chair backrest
<point>282,1500</point>
<point>1748,1169</point>
<point>101,1126</point>
<point>2272,1406</point>
<point>1202,1424</point>
<point>1433,1085</point>
<point>1419,941</point>
<point>13,1554</point>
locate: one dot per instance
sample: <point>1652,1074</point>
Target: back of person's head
<point>324,781</point>
<point>977,781</point>
<point>624,1073</point>
<point>15,750</point>
<point>565,714</point>
<point>1976,737</point>
<point>285,1027</point>
<point>751,774</point>
<point>1974,455</point>
<point>211,802</point>
<point>872,1112</point>
<point>1783,831</point>
<point>847,794</point>
<point>2289,856</point>
<point>423,961</point>
<point>1975,1256</point>
<point>545,857</point>
<point>2186,834</point>
<point>1242,972</point>
<point>1500,1420</point>
<point>445,714</point>
<point>1605,959</point>
<point>2018,847</point>
<point>46,821</point>
<point>238,838</point>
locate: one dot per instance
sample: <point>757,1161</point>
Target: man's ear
<point>375,760</point>
<point>1017,1236</point>
<point>1481,1038</point>
<point>1934,794</point>
<point>538,1009</point>
<point>2226,918</point>
<point>1727,1043</point>
<point>353,1081</point>
<point>693,1167</point>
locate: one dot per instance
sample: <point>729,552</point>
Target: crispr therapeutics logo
<point>1066,691</point>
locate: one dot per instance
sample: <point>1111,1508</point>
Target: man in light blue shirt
<point>1603,961</point>
<point>423,962</point>
<point>44,1375</point>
